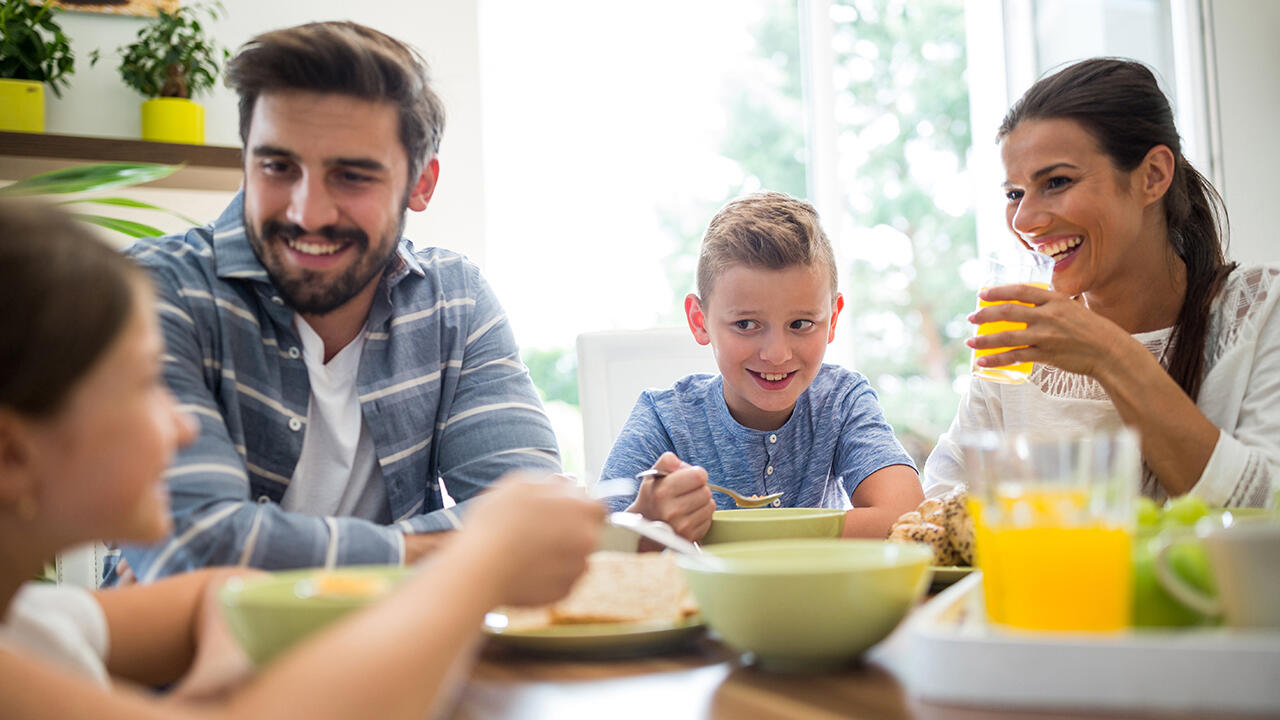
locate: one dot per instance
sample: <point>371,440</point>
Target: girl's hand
<point>220,664</point>
<point>1060,331</point>
<point>535,534</point>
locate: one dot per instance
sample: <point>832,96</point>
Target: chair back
<point>615,366</point>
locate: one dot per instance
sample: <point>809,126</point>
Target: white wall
<point>444,31</point>
<point>1247,74</point>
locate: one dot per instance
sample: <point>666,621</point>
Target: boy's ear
<point>836,307</point>
<point>697,319</point>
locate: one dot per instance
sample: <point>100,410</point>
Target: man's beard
<point>306,291</point>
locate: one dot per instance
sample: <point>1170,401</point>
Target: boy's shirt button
<point>777,502</point>
<point>768,470</point>
<point>773,438</point>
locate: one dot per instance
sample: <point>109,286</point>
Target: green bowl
<point>773,524</point>
<point>807,604</point>
<point>267,615</point>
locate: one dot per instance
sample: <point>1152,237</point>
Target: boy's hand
<point>536,534</point>
<point>680,499</point>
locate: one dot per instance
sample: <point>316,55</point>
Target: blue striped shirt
<point>442,389</point>
<point>834,439</point>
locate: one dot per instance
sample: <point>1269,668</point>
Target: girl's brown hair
<point>1120,104</point>
<point>66,297</point>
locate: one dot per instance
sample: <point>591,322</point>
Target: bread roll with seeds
<point>935,536</point>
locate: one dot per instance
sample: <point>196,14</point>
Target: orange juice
<point>1047,564</point>
<point>1013,374</point>
<point>983,549</point>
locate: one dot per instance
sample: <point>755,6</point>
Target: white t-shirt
<point>1240,394</point>
<point>338,472</point>
<point>60,624</point>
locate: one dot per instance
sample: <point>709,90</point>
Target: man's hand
<point>535,533</point>
<point>680,499</point>
<point>419,546</point>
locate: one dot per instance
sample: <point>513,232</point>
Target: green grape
<point>1148,513</point>
<point>1186,510</point>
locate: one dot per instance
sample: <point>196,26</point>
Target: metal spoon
<point>747,501</point>
<point>742,501</point>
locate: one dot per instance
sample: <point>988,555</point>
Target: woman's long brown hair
<point>1120,104</point>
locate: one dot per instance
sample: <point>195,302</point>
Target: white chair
<point>615,366</point>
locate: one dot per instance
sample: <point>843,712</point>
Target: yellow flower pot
<point>174,120</point>
<point>21,105</point>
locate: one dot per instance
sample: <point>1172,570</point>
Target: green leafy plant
<point>33,46</point>
<point>97,177</point>
<point>172,55</point>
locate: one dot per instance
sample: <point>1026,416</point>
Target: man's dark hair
<point>348,59</point>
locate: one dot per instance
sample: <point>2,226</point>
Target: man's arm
<point>495,422</point>
<point>216,519</point>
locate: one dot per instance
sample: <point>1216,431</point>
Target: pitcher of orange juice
<point>1053,520</point>
<point>1009,267</point>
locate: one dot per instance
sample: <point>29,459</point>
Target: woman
<point>87,428</point>
<point>1147,323</point>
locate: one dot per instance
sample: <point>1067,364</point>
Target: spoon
<point>746,501</point>
<point>655,530</point>
<point>742,501</point>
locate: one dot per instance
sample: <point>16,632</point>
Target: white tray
<point>956,657</point>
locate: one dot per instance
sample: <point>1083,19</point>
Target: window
<point>614,132</point>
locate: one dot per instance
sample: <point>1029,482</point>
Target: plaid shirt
<point>442,389</point>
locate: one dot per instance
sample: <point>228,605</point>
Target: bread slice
<point>625,587</point>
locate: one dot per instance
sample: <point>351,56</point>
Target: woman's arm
<point>1177,438</point>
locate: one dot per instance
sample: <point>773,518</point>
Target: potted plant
<point>33,52</point>
<point>172,59</point>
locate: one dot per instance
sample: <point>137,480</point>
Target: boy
<point>776,418</point>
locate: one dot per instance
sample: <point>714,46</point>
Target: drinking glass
<point>1009,267</point>
<point>1053,524</point>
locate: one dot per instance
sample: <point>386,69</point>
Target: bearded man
<point>339,376</point>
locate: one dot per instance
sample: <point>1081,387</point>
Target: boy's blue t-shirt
<point>835,438</point>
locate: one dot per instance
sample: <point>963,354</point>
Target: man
<point>336,373</point>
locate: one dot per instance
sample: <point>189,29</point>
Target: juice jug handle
<point>1179,588</point>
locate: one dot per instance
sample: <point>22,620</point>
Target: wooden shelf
<point>207,167</point>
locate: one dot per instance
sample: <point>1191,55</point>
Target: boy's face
<point>769,330</point>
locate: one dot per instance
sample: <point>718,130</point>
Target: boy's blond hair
<point>764,230</point>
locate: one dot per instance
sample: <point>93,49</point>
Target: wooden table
<point>703,680</point>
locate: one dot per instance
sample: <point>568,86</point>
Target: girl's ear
<point>697,319</point>
<point>836,307</point>
<point>15,459</point>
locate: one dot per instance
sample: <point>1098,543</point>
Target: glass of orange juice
<point>1009,267</point>
<point>1053,527</point>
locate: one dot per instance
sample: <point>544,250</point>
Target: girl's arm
<point>525,543</point>
<point>154,628</point>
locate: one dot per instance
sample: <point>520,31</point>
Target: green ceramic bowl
<point>773,524</point>
<point>810,603</point>
<point>267,615</point>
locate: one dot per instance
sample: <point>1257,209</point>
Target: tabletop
<point>703,679</point>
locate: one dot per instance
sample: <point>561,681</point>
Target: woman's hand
<point>1060,331</point>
